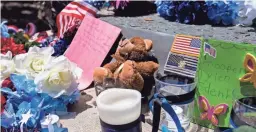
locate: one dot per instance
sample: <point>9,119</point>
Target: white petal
<point>33,49</point>
<point>41,77</point>
<point>7,56</point>
<point>78,72</point>
<point>59,94</point>
<point>47,50</point>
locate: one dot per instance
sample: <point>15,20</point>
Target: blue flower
<point>190,12</point>
<point>222,13</point>
<point>26,98</point>
<point>60,47</point>
<point>4,30</point>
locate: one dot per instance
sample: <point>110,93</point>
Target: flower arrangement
<point>182,11</point>
<point>247,15</point>
<point>215,12</point>
<point>37,81</point>
<point>222,12</point>
<point>20,41</point>
<point>43,84</point>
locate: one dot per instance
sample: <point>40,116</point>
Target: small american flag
<point>187,45</point>
<point>73,12</point>
<point>208,49</point>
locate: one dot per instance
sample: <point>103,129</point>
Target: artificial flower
<point>4,30</point>
<point>247,12</point>
<point>59,77</point>
<point>33,62</point>
<point>7,65</point>
<point>183,11</point>
<point>3,101</point>
<point>222,12</point>
<point>27,100</point>
<point>8,44</point>
<point>96,4</point>
<point>31,44</point>
<point>20,37</point>
<point>60,47</point>
<point>8,83</point>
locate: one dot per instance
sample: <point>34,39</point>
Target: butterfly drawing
<point>250,66</point>
<point>211,112</point>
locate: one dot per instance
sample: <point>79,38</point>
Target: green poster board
<point>219,68</point>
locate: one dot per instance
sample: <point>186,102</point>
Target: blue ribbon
<point>168,108</point>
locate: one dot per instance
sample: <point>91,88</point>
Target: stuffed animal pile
<point>133,67</point>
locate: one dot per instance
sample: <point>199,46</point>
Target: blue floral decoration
<point>189,12</point>
<point>60,47</point>
<point>4,30</point>
<point>221,13</point>
<point>96,4</point>
<point>26,98</point>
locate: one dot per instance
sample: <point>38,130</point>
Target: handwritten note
<point>90,46</point>
<point>218,77</point>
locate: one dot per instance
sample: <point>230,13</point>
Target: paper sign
<point>219,69</point>
<point>90,46</point>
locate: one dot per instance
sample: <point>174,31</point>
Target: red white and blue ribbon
<point>30,29</point>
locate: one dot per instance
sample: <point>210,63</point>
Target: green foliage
<point>31,44</point>
<point>19,38</point>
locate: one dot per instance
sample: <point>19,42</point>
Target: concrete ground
<point>155,23</point>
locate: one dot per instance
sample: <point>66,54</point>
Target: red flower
<point>3,101</point>
<point>8,44</point>
<point>8,83</point>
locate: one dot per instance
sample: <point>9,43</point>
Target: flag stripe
<point>180,73</point>
<point>72,12</point>
<point>180,69</point>
<point>173,64</point>
<point>186,45</point>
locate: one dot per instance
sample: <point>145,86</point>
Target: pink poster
<point>90,46</point>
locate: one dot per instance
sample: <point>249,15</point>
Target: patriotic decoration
<point>181,64</point>
<point>187,45</point>
<point>208,49</point>
<point>73,12</point>
<point>30,29</point>
<point>183,57</point>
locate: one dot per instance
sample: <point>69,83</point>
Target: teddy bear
<point>132,65</point>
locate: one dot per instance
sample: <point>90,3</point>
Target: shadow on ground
<point>82,103</point>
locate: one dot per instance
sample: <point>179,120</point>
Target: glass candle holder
<point>146,93</point>
<point>171,86</point>
<point>244,107</point>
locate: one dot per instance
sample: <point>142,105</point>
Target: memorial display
<point>128,78</point>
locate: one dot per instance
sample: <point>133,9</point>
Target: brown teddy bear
<point>131,67</point>
<point>135,49</point>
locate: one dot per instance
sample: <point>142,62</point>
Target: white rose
<point>60,77</point>
<point>7,65</point>
<point>34,61</point>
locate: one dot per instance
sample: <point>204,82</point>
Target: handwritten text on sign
<point>91,45</point>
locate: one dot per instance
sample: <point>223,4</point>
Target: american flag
<point>181,64</point>
<point>209,49</point>
<point>73,12</point>
<point>187,45</point>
